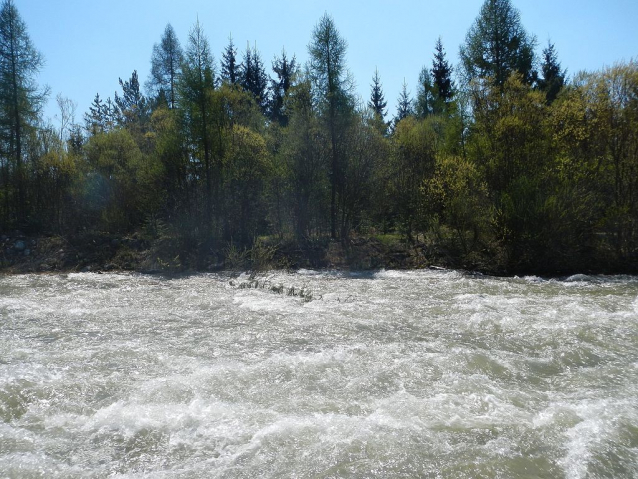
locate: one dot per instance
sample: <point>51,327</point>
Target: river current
<point>431,374</point>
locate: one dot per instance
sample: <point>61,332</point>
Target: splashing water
<point>393,374</point>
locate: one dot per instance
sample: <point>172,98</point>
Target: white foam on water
<point>534,279</point>
<point>413,374</point>
<point>579,278</point>
<point>263,300</point>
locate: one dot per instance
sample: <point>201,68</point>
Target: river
<point>431,374</point>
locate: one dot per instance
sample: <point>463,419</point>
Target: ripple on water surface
<point>387,374</point>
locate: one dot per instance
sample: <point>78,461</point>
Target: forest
<point>502,163</point>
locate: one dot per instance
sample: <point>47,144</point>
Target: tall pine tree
<point>553,78</point>
<point>95,118</point>
<point>285,70</point>
<point>131,106</point>
<point>253,77</point>
<point>377,101</point>
<point>404,104</point>
<point>442,77</point>
<point>230,70</point>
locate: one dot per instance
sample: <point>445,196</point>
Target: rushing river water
<point>393,374</point>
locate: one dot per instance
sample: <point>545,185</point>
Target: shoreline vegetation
<point>501,164</point>
<point>99,253</point>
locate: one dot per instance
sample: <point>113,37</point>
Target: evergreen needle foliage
<point>497,168</point>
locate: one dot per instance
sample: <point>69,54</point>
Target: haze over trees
<point>500,163</point>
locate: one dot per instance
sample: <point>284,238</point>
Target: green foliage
<point>404,105</point>
<point>303,157</point>
<point>230,68</point>
<point>442,78</point>
<point>166,66</point>
<point>248,167</point>
<point>553,78</point>
<point>377,100</point>
<point>497,45</point>
<point>458,196</point>
<point>426,95</point>
<point>332,87</point>
<point>253,78</point>
<point>413,157</point>
<point>114,159</point>
<point>285,70</point>
<point>496,175</point>
<point>20,103</point>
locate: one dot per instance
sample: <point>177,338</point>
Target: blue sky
<point>89,44</point>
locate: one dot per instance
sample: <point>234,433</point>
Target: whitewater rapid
<point>387,374</point>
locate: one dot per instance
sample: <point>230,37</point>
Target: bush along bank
<point>93,252</point>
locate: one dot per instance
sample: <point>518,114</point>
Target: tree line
<point>501,160</point>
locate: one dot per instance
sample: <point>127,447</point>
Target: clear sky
<point>89,44</point>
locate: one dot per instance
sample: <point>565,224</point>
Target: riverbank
<point>20,253</point>
<point>102,252</point>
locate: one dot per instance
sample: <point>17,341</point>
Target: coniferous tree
<point>230,70</point>
<point>333,87</point>
<point>285,70</point>
<point>196,88</point>
<point>111,113</point>
<point>553,78</point>
<point>20,102</point>
<point>253,77</point>
<point>377,100</point>
<point>166,64</point>
<point>425,96</point>
<point>404,105</point>
<point>442,75</point>
<point>497,45</point>
<point>95,118</point>
<point>131,106</point>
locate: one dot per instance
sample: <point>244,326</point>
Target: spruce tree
<point>497,45</point>
<point>95,118</point>
<point>442,75</point>
<point>377,101</point>
<point>253,77</point>
<point>553,78</point>
<point>230,70</point>
<point>285,70</point>
<point>404,106</point>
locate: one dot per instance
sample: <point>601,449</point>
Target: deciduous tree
<point>497,45</point>
<point>197,86</point>
<point>333,88</point>
<point>166,65</point>
<point>20,102</point>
